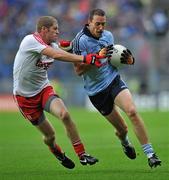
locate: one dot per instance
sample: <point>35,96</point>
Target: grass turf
<point>24,156</point>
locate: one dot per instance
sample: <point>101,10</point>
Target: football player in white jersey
<point>106,89</point>
<point>34,94</point>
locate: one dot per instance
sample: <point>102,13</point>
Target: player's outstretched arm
<point>59,54</point>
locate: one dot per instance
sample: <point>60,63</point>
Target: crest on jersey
<point>44,62</point>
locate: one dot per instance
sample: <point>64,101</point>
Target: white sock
<point>148,150</point>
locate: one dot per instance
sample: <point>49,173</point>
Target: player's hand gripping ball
<point>120,56</point>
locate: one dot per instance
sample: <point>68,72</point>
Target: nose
<point>57,31</point>
<point>101,28</point>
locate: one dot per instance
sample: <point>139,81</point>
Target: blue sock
<point>148,150</point>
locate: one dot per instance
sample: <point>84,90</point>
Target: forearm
<point>62,55</point>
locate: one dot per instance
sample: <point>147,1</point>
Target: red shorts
<point>32,107</point>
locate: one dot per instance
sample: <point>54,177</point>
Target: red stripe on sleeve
<point>39,39</point>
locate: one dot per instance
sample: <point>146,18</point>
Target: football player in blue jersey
<point>106,89</point>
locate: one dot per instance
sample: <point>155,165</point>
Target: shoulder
<point>32,43</point>
<point>29,39</point>
<point>108,36</point>
<point>80,36</point>
<point>80,41</point>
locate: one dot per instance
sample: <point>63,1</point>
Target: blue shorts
<point>104,100</point>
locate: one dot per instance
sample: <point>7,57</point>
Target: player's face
<point>52,33</point>
<point>97,25</point>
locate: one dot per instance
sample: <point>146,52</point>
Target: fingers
<point>102,52</point>
<point>106,51</point>
<point>110,47</point>
<point>127,60</point>
<point>109,50</point>
<point>129,51</point>
<point>125,54</point>
<point>127,57</point>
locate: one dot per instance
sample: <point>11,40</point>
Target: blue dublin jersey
<point>95,79</point>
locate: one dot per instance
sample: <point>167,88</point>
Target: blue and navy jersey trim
<point>76,43</point>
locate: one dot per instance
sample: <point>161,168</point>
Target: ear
<point>44,28</point>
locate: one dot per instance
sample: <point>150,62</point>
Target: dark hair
<point>46,21</point>
<point>98,12</point>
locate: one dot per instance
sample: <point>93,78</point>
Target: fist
<point>65,45</point>
<point>106,51</point>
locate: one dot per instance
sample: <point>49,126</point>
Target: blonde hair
<point>45,21</point>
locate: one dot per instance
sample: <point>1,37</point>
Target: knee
<point>131,112</point>
<point>65,116</point>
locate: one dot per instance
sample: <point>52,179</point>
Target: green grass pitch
<point>24,156</point>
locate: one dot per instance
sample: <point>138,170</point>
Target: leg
<point>49,139</point>
<point>117,121</point>
<point>32,109</point>
<point>121,131</point>
<point>125,102</point>
<point>58,109</point>
<point>48,131</point>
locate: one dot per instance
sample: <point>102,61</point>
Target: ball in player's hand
<point>121,56</point>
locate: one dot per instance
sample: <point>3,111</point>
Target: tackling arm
<point>59,54</point>
<point>62,55</point>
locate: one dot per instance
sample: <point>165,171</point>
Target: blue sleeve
<point>79,46</point>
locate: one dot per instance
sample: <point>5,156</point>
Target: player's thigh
<point>58,108</point>
<point>46,128</point>
<point>124,100</point>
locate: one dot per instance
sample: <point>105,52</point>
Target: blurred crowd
<point>141,25</point>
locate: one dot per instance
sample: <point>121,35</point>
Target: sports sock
<point>56,150</point>
<point>126,141</point>
<point>148,150</point>
<point>79,148</point>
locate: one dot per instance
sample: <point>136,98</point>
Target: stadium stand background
<point>141,25</point>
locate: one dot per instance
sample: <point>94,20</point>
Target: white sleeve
<point>55,45</point>
<point>32,44</point>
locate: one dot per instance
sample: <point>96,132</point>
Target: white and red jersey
<point>30,66</point>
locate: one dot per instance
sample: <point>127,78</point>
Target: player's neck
<point>42,36</point>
